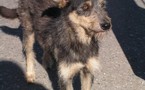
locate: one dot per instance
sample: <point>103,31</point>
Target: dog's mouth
<point>92,31</point>
<point>97,31</point>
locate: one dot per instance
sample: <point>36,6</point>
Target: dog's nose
<point>105,26</point>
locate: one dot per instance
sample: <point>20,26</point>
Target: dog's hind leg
<point>28,41</point>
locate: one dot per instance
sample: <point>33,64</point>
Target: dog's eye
<point>86,7</point>
<point>103,5</point>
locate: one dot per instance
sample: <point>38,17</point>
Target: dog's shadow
<point>13,31</point>
<point>129,27</point>
<point>19,33</point>
<point>12,78</point>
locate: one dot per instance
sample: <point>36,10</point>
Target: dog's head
<point>89,14</point>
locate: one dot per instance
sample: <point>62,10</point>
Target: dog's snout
<point>105,26</point>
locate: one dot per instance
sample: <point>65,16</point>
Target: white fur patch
<point>67,71</point>
<point>93,64</point>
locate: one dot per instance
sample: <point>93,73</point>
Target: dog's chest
<point>76,51</point>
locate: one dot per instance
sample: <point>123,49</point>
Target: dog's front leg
<point>47,60</point>
<point>30,56</point>
<point>66,73</point>
<point>88,72</point>
<point>65,76</point>
<point>86,79</point>
<point>65,85</point>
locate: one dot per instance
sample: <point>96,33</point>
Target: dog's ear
<point>102,3</point>
<point>62,3</point>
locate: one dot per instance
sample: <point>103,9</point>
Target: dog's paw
<point>61,3</point>
<point>30,76</point>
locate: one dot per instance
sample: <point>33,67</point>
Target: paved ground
<point>122,52</point>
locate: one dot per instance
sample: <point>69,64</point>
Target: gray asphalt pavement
<point>122,52</point>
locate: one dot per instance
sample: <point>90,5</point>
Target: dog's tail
<point>8,13</point>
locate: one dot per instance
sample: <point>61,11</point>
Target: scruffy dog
<point>70,38</point>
